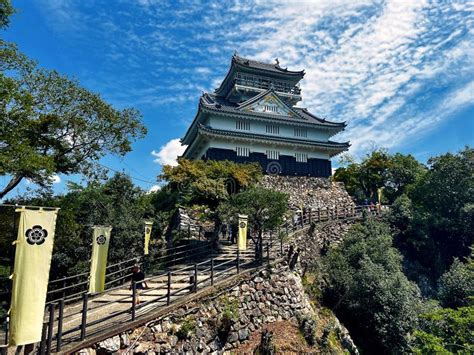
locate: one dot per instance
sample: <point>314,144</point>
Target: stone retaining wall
<point>222,323</point>
<point>309,192</point>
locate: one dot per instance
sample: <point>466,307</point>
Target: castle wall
<point>259,127</point>
<point>285,165</point>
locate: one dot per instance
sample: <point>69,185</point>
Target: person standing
<point>138,276</point>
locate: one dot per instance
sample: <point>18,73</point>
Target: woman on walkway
<point>138,276</point>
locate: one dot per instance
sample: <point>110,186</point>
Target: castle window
<point>272,128</point>
<point>242,125</point>
<point>273,154</point>
<point>242,151</point>
<point>301,157</point>
<point>271,108</point>
<point>301,132</point>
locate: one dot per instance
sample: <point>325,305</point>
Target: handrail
<point>210,269</point>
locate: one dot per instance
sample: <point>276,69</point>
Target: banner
<point>242,241</point>
<point>148,226</point>
<point>100,250</point>
<point>379,195</point>
<point>34,247</point>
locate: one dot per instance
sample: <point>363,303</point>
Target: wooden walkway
<point>72,323</point>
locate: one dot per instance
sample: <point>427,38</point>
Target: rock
<point>258,279</point>
<point>173,340</point>
<point>243,334</point>
<point>214,345</point>
<point>86,351</point>
<point>111,344</point>
<point>140,349</point>
<point>165,348</point>
<point>165,326</point>
<point>233,336</point>
<point>161,338</point>
<point>124,341</point>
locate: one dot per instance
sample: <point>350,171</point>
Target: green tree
<point>265,208</point>
<point>363,282</point>
<point>50,124</point>
<point>442,201</point>
<point>379,170</point>
<point>445,331</point>
<point>207,183</point>
<point>117,202</point>
<point>403,172</point>
<point>6,10</point>
<point>456,286</point>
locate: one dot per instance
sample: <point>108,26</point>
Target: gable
<point>270,103</point>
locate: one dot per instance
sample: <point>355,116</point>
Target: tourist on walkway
<point>138,276</point>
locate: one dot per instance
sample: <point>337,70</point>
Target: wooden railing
<point>199,274</point>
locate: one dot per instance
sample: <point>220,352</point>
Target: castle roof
<point>333,148</point>
<point>209,103</point>
<point>244,65</point>
<point>269,67</point>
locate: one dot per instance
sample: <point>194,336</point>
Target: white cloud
<point>380,65</point>
<point>56,179</point>
<point>154,188</point>
<point>168,154</point>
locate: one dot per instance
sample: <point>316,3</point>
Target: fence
<point>169,282</point>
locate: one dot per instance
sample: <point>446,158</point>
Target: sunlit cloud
<point>169,153</point>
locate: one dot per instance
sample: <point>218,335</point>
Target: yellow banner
<point>34,247</point>
<point>148,226</point>
<point>242,241</point>
<point>100,250</point>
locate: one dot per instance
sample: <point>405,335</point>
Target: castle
<point>252,117</point>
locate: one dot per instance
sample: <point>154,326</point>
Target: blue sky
<point>400,72</point>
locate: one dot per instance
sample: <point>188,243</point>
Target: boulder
<point>110,345</point>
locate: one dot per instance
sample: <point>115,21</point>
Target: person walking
<point>138,276</point>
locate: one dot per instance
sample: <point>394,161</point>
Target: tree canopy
<point>363,281</point>
<point>379,170</point>
<point>265,208</point>
<point>51,124</point>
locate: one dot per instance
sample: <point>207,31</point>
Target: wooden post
<point>302,219</point>
<point>64,289</point>
<point>268,255</point>
<point>168,295</point>
<point>50,328</point>
<point>337,215</point>
<point>42,349</point>
<point>134,298</point>
<point>59,334</point>
<point>84,315</point>
<point>7,329</point>
<point>195,277</point>
<point>281,246</point>
<point>238,260</point>
<point>212,271</point>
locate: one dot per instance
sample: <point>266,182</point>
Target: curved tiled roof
<point>302,115</point>
<point>250,63</point>
<point>328,144</point>
<point>253,66</point>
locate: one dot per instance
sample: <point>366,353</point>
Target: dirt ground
<point>286,337</point>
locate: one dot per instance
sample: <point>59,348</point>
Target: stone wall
<point>319,238</point>
<point>309,192</point>
<point>223,323</point>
